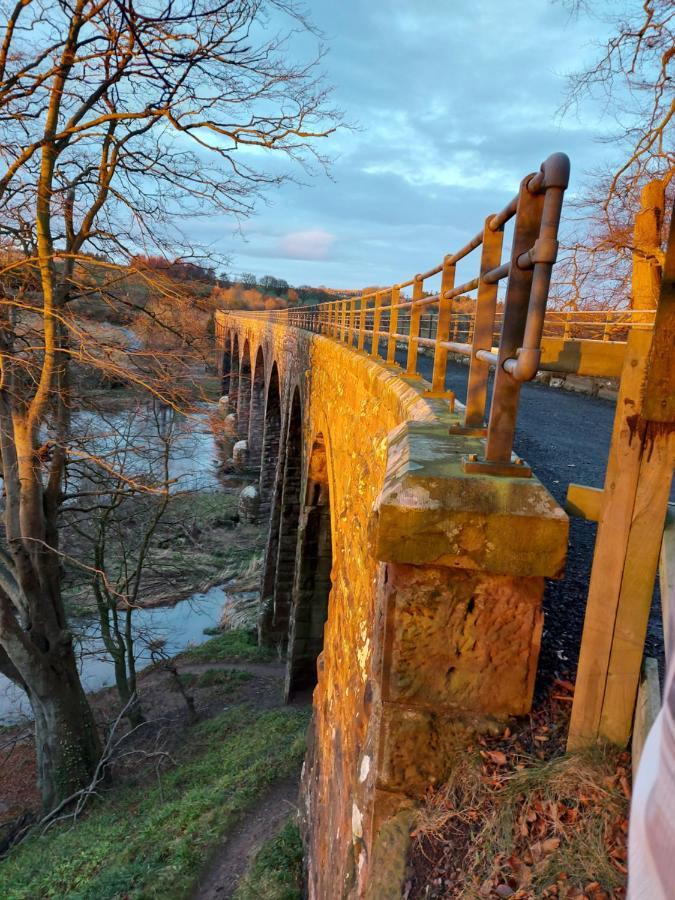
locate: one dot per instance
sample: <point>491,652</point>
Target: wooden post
<point>647,252</point>
<point>623,466</point>
<point>635,500</point>
<point>443,327</point>
<point>414,333</point>
<point>393,324</point>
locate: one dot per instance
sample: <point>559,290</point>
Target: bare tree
<point>631,80</point>
<point>118,492</point>
<point>119,120</point>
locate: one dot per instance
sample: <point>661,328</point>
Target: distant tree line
<point>247,291</point>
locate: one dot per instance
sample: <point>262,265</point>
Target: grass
<point>210,509</point>
<point>276,870</point>
<point>230,678</point>
<point>231,646</point>
<point>152,845</point>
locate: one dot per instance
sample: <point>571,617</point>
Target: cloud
<point>455,101</point>
<point>310,245</point>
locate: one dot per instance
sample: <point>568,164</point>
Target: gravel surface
<point>564,437</point>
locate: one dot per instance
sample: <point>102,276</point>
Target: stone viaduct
<point>407,593</point>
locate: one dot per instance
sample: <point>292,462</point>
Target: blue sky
<point>454,101</point>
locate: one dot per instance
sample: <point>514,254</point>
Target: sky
<point>452,103</point>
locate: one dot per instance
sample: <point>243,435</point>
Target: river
<point>192,467</point>
<point>179,626</point>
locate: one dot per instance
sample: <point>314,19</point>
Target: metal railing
<point>504,334</point>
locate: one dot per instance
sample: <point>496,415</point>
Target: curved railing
<point>505,335</point>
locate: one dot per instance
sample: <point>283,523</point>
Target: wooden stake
<point>623,467</point>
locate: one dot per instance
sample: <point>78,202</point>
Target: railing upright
<point>377,319</point>
<point>443,326</point>
<point>393,324</point>
<point>362,322</point>
<point>483,327</point>
<point>414,332</point>
<point>352,323</point>
<point>506,391</point>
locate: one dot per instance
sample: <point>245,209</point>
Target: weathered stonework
<point>249,503</point>
<point>433,620</point>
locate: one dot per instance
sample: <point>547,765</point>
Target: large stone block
<point>430,512</point>
<point>461,640</point>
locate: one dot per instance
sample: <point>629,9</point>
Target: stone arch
<point>312,581</point>
<point>244,398</point>
<point>233,386</point>
<point>226,365</point>
<point>270,441</point>
<point>257,413</point>
<point>278,575</point>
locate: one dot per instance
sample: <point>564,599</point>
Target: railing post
<point>483,327</point>
<point>362,322</point>
<point>393,324</point>
<point>506,391</point>
<point>414,332</point>
<point>352,322</point>
<point>343,321</point>
<point>443,326</point>
<point>377,318</point>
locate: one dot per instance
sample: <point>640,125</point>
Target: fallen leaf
<point>497,757</point>
<point>549,845</point>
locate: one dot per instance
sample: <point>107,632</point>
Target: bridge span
<point>407,589</point>
<point>409,545</point>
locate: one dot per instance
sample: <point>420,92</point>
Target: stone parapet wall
<point>434,614</point>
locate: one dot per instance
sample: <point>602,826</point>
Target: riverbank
<point>177,788</point>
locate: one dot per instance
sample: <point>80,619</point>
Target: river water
<point>193,467</point>
<point>179,626</point>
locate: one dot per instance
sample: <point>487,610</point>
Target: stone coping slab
<point>430,512</point>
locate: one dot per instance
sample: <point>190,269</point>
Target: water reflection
<point>178,626</point>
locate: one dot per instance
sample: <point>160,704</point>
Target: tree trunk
<point>66,739</point>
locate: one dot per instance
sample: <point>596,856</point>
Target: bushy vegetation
<point>152,843</point>
<point>276,871</point>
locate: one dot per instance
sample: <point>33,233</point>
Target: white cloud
<point>312,244</point>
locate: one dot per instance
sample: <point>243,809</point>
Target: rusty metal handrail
<point>508,339</point>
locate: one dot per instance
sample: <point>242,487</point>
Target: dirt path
<point>220,880</point>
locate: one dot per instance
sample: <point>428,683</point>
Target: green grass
<point>230,678</point>
<point>208,508</point>
<point>153,844</point>
<point>276,871</point>
<point>231,646</point>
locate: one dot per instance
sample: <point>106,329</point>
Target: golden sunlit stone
<point>434,615</point>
